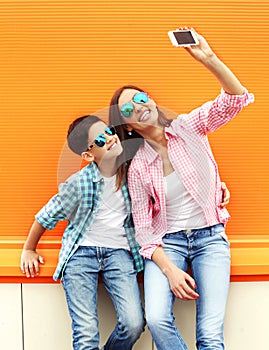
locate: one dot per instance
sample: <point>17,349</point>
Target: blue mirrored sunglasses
<point>100,140</point>
<point>127,109</point>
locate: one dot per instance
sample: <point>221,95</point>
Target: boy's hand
<point>225,195</point>
<point>30,260</point>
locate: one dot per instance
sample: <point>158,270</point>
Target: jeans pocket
<point>219,230</point>
<point>224,236</point>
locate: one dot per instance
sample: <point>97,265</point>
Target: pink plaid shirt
<point>192,159</point>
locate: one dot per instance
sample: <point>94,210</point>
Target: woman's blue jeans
<point>207,252</point>
<point>80,281</point>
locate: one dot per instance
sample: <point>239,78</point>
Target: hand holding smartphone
<point>183,37</point>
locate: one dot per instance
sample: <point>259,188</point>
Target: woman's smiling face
<point>143,113</point>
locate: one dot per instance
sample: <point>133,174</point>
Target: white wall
<point>11,334</point>
<point>247,319</point>
<point>46,323</point>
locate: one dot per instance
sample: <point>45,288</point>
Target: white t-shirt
<point>107,229</point>
<point>182,210</point>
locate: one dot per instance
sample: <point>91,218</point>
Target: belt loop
<point>212,231</point>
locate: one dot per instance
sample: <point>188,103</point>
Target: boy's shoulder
<point>90,169</point>
<point>90,172</point>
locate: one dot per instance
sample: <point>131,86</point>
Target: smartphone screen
<point>184,38</point>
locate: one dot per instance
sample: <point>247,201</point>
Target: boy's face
<point>111,149</point>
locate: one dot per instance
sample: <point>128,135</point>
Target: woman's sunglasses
<point>100,140</point>
<point>128,108</point>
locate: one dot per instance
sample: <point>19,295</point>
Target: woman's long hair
<point>130,141</point>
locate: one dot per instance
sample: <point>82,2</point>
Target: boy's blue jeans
<point>80,281</point>
<point>207,252</point>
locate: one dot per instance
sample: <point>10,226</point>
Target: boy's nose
<point>108,138</point>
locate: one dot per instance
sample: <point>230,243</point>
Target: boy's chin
<point>116,151</point>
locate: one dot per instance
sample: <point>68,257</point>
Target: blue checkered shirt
<point>78,201</point>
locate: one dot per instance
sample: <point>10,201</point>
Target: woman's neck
<point>155,136</point>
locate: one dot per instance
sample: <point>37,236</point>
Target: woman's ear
<point>88,156</point>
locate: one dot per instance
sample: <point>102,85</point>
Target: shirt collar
<point>95,172</point>
<point>170,130</point>
<point>151,154</point>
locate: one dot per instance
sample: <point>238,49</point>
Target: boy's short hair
<point>77,135</point>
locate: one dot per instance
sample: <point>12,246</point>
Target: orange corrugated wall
<point>63,59</point>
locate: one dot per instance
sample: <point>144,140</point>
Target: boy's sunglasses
<point>128,108</point>
<point>100,140</point>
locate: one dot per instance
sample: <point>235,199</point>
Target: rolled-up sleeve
<point>213,114</point>
<point>61,206</point>
<point>148,250</point>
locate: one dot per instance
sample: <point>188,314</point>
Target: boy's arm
<point>225,195</point>
<point>60,207</point>
<point>30,259</point>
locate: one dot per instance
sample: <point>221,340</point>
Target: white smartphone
<point>183,37</point>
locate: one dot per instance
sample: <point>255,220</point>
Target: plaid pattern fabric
<point>192,159</point>
<point>78,201</point>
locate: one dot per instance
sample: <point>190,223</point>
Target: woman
<point>176,203</point>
